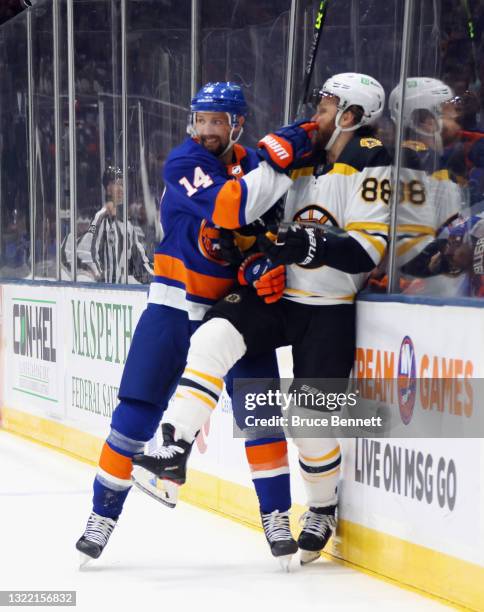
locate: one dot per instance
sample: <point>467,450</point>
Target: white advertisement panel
<point>426,491</point>
<point>33,322</point>
<point>65,348</point>
<point>99,327</point>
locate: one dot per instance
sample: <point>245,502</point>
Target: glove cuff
<point>278,149</point>
<point>244,265</point>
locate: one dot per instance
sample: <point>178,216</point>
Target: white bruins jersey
<point>352,194</point>
<point>430,201</point>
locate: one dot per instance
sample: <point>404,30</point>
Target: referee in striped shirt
<point>102,247</point>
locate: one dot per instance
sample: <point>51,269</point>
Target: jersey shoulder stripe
<point>301,172</point>
<point>344,169</point>
<point>441,175</point>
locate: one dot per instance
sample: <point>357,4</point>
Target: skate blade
<point>285,562</point>
<point>164,491</point>
<point>84,560</point>
<point>308,556</point>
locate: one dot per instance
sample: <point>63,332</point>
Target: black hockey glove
<point>295,244</point>
<point>312,247</point>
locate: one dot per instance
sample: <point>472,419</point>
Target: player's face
<point>324,116</point>
<point>213,130</point>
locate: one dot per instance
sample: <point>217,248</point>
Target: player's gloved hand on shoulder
<point>293,244</point>
<point>287,145</point>
<point>269,281</point>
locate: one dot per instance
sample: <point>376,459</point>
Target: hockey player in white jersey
<point>335,232</point>
<point>430,200</point>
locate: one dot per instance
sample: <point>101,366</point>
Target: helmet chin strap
<point>232,140</point>
<point>338,130</point>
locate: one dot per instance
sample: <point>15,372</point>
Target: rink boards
<point>410,509</point>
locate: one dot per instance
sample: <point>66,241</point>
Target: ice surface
<point>157,558</point>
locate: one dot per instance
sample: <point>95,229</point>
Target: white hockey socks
<point>319,463</point>
<point>214,348</point>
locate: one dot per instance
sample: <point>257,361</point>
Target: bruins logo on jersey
<point>233,298</point>
<point>370,143</point>
<point>208,242</point>
<point>315,214</point>
<point>415,145</point>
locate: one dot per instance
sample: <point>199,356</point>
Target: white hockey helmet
<point>354,89</point>
<point>421,93</point>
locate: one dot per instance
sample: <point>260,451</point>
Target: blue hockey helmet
<point>225,97</point>
<point>220,97</point>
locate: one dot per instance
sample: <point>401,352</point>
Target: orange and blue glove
<point>258,271</point>
<point>287,145</point>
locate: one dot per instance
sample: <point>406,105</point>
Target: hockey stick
<point>313,48</point>
<point>471,31</point>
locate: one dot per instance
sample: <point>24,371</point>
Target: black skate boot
<point>170,460</point>
<point>95,537</point>
<point>278,533</point>
<point>319,524</point>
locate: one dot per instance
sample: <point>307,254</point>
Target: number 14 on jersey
<point>200,179</point>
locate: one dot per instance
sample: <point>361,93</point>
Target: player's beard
<point>322,136</point>
<point>217,147</point>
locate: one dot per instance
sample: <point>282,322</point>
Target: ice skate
<point>170,460</point>
<point>164,491</point>
<point>319,524</point>
<point>278,534</point>
<point>95,537</point>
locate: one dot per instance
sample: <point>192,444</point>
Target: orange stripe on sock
<point>330,455</point>
<point>114,463</point>
<point>264,454</point>
<point>270,465</point>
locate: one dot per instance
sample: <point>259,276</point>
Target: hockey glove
<point>271,285</point>
<point>290,143</point>
<point>269,282</point>
<point>294,244</point>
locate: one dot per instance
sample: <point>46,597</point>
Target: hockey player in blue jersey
<point>208,186</point>
<point>334,233</point>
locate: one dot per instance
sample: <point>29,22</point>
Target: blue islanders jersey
<point>201,194</point>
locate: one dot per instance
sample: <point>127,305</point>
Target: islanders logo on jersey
<point>406,382</point>
<point>313,213</point>
<point>209,243</point>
